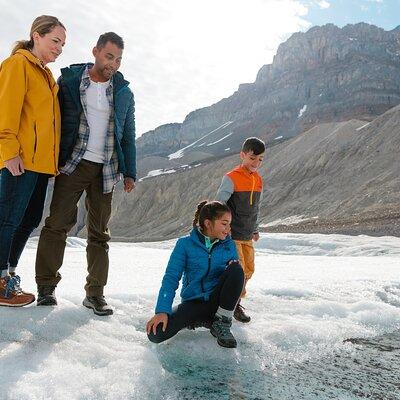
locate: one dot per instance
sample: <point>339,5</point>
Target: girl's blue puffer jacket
<point>201,269</point>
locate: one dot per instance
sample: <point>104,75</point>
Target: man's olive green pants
<point>68,189</point>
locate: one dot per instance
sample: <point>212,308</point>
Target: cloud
<point>323,4</point>
<point>179,55</point>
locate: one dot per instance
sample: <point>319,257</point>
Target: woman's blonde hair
<point>42,25</point>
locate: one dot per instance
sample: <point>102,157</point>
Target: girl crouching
<point>212,279</point>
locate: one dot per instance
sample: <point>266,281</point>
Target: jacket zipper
<point>252,190</point>
<point>208,271</point>
<point>35,143</point>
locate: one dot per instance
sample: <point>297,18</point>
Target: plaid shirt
<point>110,167</point>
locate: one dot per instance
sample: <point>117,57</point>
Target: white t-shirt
<point>98,114</point>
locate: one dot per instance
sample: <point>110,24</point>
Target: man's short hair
<point>110,37</point>
<point>256,145</point>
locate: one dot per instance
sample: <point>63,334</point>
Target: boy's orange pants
<point>245,251</point>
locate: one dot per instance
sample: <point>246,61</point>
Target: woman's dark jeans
<point>21,208</point>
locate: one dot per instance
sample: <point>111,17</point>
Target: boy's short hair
<point>110,37</point>
<point>256,145</point>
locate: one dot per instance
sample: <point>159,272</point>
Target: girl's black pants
<point>200,312</point>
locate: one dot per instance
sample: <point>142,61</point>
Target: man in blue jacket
<point>97,148</point>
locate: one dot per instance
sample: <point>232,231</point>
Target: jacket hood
<point>31,58</point>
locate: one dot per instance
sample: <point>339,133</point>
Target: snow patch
<point>362,127</point>
<point>220,140</point>
<point>180,153</point>
<point>292,220</point>
<point>302,111</point>
<point>158,172</point>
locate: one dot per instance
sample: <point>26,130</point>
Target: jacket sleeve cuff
<point>9,150</point>
<point>165,310</point>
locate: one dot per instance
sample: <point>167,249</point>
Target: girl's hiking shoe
<point>221,329</point>
<point>98,305</point>
<point>240,315</point>
<point>11,294</point>
<point>46,296</point>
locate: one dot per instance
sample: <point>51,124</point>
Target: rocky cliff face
<point>336,159</point>
<point>333,172</point>
<point>326,74</point>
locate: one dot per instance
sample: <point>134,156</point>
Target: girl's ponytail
<point>197,213</point>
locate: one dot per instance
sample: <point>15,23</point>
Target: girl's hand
<point>155,321</point>
<point>15,166</point>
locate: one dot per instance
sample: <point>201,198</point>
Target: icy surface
<point>325,319</point>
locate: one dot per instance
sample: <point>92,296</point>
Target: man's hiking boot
<point>240,315</point>
<point>11,294</point>
<point>221,329</point>
<point>98,305</point>
<point>46,296</point>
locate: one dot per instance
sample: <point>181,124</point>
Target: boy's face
<point>250,161</point>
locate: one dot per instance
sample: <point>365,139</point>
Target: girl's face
<point>49,46</point>
<point>219,228</point>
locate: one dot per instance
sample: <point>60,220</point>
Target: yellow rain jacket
<point>29,113</point>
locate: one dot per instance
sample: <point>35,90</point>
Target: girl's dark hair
<point>211,210</point>
<point>42,25</point>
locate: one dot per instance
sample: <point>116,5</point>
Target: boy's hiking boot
<point>221,329</point>
<point>98,304</point>
<point>240,315</point>
<point>11,294</point>
<point>46,296</point>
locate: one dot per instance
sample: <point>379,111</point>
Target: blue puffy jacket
<point>201,269</point>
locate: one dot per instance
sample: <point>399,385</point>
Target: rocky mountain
<point>326,107</point>
<point>342,175</point>
<point>325,74</point>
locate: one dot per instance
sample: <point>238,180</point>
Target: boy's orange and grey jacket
<point>29,114</point>
<point>242,192</point>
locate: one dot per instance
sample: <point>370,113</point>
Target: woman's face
<point>49,46</point>
<point>219,228</point>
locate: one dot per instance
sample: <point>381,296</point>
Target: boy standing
<point>241,189</point>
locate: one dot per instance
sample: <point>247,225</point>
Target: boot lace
<point>13,285</point>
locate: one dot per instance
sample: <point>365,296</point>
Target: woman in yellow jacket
<point>29,145</point>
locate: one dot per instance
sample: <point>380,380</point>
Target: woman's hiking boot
<point>11,294</point>
<point>221,329</point>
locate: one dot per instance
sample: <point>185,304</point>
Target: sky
<point>181,55</point>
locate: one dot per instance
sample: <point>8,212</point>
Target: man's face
<point>107,60</point>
